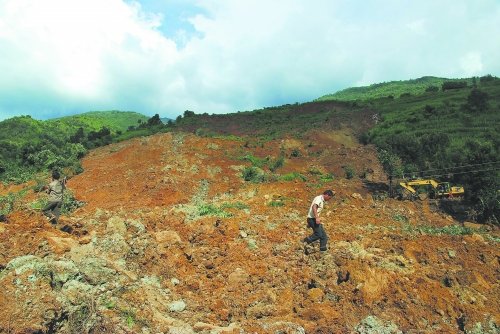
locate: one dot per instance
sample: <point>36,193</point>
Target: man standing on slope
<point>55,190</point>
<point>314,222</point>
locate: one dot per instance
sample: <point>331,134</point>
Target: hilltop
<point>393,89</point>
<point>198,230</point>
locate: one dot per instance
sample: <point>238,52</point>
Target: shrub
<point>292,176</point>
<point>295,153</point>
<point>447,85</point>
<point>212,210</point>
<point>349,172</point>
<point>273,166</point>
<point>253,174</point>
<point>477,101</point>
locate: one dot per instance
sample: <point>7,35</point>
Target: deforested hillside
<point>199,230</point>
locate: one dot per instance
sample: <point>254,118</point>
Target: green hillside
<point>392,88</point>
<point>450,135</point>
<point>95,120</point>
<point>28,145</point>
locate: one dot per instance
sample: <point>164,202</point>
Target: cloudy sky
<point>62,57</point>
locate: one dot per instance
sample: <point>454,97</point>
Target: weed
<point>7,203</point>
<point>252,244</point>
<point>274,165</point>
<point>236,205</point>
<point>110,304</point>
<point>328,177</point>
<point>446,230</point>
<point>275,204</point>
<point>253,174</point>
<point>212,210</point>
<point>255,161</point>
<point>292,176</point>
<point>400,218</point>
<point>295,153</point>
<point>349,172</point>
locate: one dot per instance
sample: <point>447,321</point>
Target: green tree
<point>392,166</point>
<point>477,101</point>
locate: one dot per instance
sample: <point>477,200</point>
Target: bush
<point>253,174</point>
<point>295,153</point>
<point>477,101</point>
<point>273,166</point>
<point>447,85</point>
<point>349,172</point>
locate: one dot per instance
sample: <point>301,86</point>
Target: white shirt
<point>319,201</point>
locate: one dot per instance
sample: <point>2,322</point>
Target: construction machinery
<point>413,189</point>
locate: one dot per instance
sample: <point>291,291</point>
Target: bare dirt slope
<point>172,239</point>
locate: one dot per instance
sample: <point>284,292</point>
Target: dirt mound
<point>172,239</point>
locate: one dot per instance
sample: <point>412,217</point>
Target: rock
<point>243,234</point>
<point>174,281</point>
<point>357,196</point>
<point>95,271</point>
<point>177,306</point>
<point>474,226</point>
<point>116,225</point>
<point>238,277</point>
<point>284,327</point>
<point>61,245</point>
<point>315,294</point>
<point>259,311</point>
<point>213,329</point>
<point>168,238</point>
<point>374,325</point>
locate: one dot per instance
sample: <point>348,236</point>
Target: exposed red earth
<point>172,239</point>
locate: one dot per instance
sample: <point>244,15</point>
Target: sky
<point>64,57</point>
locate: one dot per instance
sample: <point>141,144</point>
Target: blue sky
<point>63,57</point>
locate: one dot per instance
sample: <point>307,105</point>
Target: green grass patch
<point>212,210</point>
<point>445,230</point>
<point>235,205</point>
<point>276,203</point>
<point>292,176</point>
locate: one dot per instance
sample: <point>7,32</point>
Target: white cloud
<point>471,64</point>
<point>74,55</point>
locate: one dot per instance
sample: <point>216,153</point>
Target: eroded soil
<point>172,239</point>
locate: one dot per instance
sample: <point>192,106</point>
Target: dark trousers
<point>52,210</point>
<point>318,234</point>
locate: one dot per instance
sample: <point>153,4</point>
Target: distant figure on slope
<point>55,189</point>
<point>314,222</point>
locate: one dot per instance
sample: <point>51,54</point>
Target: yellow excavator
<point>431,187</point>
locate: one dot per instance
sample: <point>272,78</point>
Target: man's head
<point>327,194</point>
<point>55,174</point>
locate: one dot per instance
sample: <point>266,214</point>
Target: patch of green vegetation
<point>292,176</point>
<point>252,244</point>
<point>400,218</point>
<point>278,163</point>
<point>236,205</point>
<point>445,230</point>
<point>276,203</point>
<point>253,174</point>
<point>392,89</point>
<point>9,202</point>
<point>255,161</point>
<point>29,146</point>
<point>325,178</point>
<point>349,172</point>
<point>212,210</point>
<point>448,135</point>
